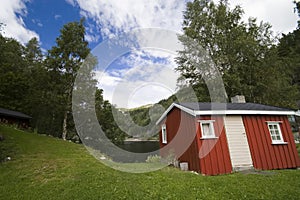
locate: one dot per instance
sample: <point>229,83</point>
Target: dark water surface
<point>142,149</point>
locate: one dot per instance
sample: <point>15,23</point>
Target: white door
<point>237,142</point>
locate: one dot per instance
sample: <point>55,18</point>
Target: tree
<point>104,112</point>
<point>14,84</point>
<point>64,60</point>
<point>242,52</point>
<point>297,9</point>
<point>40,100</point>
<point>289,53</point>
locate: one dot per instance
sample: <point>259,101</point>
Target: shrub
<point>153,159</point>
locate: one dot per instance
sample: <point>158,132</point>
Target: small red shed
<point>218,138</point>
<point>14,117</point>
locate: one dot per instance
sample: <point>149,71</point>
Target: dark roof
<point>231,106</point>
<point>11,113</point>
<point>195,109</point>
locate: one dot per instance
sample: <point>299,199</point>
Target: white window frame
<point>211,129</point>
<point>164,134</point>
<point>271,131</point>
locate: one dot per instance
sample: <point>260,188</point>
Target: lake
<point>141,147</point>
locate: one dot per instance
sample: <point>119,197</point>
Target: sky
<point>142,70</point>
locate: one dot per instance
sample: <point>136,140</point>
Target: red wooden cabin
<point>218,138</point>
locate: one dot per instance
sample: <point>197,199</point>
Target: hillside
<point>43,167</point>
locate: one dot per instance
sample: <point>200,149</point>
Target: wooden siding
<point>21,123</point>
<point>184,145</point>
<point>213,153</point>
<point>266,155</point>
<point>237,141</point>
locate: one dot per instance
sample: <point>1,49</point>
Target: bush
<point>153,159</point>
<point>171,159</point>
<point>298,149</point>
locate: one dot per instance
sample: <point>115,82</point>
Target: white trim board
<point>243,112</point>
<point>187,110</point>
<point>224,112</point>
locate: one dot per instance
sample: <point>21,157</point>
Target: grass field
<point>43,167</point>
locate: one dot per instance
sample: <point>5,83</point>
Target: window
<point>275,131</point>
<point>207,129</point>
<point>164,134</point>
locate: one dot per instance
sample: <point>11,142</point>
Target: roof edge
<point>244,112</point>
<point>187,110</point>
<point>13,113</point>
<point>225,112</point>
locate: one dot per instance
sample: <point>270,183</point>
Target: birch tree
<point>65,59</point>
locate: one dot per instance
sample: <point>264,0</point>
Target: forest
<point>251,59</point>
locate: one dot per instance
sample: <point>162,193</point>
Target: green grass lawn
<point>48,168</point>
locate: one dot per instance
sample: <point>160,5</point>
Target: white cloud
<point>57,17</point>
<point>107,82</point>
<point>11,14</point>
<point>280,13</point>
<point>114,16</point>
<point>71,2</point>
<point>37,22</point>
<point>148,93</point>
<point>139,67</point>
<point>146,81</point>
<point>91,35</point>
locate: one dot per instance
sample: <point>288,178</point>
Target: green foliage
<point>297,9</point>
<point>64,60</point>
<point>41,86</point>
<point>244,53</point>
<point>14,84</point>
<point>153,159</point>
<point>47,168</point>
<point>298,148</point>
<point>104,112</point>
<point>140,116</point>
<point>289,53</point>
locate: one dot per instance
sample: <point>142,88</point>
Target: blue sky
<point>106,19</point>
<point>46,17</point>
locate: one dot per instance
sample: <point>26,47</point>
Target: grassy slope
<point>48,168</point>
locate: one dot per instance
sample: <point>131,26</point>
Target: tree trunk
<point>64,134</point>
<point>68,107</point>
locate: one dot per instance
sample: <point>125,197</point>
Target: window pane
<point>164,135</point>
<point>205,129</point>
<point>273,138</point>
<point>278,137</point>
<point>272,132</point>
<point>275,132</point>
<point>271,126</point>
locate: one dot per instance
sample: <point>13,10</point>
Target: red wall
<point>184,146</point>
<point>217,160</point>
<point>186,128</point>
<point>266,155</point>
